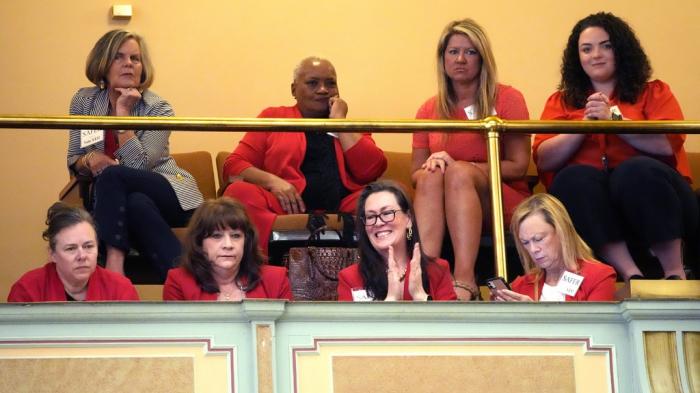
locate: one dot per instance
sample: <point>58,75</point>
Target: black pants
<point>642,197</point>
<point>136,208</point>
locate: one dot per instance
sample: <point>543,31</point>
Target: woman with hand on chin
<point>617,186</point>
<point>392,265</point>
<point>558,264</point>
<point>72,273</point>
<point>222,260</point>
<point>139,191</point>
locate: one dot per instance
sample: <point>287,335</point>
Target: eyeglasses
<point>386,217</point>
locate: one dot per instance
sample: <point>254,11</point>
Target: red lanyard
<point>111,143</point>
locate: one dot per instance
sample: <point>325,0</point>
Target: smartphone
<point>496,283</point>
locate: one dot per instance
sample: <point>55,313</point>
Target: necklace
<point>403,275</point>
<point>240,286</point>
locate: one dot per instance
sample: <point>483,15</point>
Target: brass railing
<point>492,128</point>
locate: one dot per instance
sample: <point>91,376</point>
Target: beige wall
<point>233,58</point>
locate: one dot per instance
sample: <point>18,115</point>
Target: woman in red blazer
<point>559,266</point>
<point>72,273</point>
<point>222,260</point>
<point>392,265</point>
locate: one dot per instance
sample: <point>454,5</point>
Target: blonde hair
<point>573,248</point>
<point>486,95</point>
<point>105,51</point>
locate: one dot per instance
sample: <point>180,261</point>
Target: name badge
<point>569,283</point>
<point>615,110</point>
<point>470,111</point>
<point>361,295</point>
<point>90,137</point>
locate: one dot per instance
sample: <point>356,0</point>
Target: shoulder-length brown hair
<point>486,95</point>
<point>105,51</point>
<point>213,215</point>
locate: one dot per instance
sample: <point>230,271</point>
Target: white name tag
<point>470,111</point>
<point>569,283</point>
<point>360,295</point>
<point>90,137</point>
<point>615,110</point>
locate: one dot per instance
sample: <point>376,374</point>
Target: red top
<point>181,285</point>
<point>44,285</point>
<point>282,153</point>
<point>598,283</point>
<point>655,103</point>
<point>438,275</point>
<point>471,146</point>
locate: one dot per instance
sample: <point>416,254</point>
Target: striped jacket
<point>148,151</point>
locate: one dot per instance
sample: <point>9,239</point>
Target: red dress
<point>510,105</point>
<point>438,275</point>
<point>656,102</point>
<point>282,153</point>
<point>273,284</point>
<point>598,283</point>
<point>44,285</point>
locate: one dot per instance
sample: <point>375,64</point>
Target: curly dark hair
<point>372,265</point>
<point>213,215</point>
<point>632,68</point>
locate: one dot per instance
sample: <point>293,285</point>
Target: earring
<point>409,233</point>
<point>102,84</point>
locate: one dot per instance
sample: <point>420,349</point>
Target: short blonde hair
<point>486,95</point>
<point>573,248</point>
<point>105,51</point>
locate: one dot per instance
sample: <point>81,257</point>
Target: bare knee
<point>428,182</point>
<point>462,175</point>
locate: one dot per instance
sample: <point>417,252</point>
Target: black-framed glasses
<point>386,216</point>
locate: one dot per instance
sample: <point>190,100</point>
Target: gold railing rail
<point>492,128</point>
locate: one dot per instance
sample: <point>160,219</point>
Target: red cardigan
<point>598,283</point>
<point>44,285</point>
<point>438,275</point>
<point>181,285</point>
<point>282,153</point>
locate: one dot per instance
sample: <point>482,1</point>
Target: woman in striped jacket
<point>139,191</point>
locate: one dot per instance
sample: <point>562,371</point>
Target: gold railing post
<point>493,129</point>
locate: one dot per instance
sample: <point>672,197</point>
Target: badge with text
<point>569,283</point>
<point>361,295</point>
<point>90,137</point>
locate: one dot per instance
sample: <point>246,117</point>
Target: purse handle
<point>317,226</point>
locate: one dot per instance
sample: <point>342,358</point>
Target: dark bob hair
<point>632,68</point>
<point>373,267</point>
<point>211,216</point>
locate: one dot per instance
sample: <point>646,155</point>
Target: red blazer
<point>656,102</point>
<point>598,283</point>
<point>44,285</point>
<point>438,275</point>
<point>282,153</point>
<point>181,285</point>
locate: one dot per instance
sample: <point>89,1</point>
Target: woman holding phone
<point>558,264</point>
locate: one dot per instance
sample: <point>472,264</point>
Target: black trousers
<point>642,197</point>
<point>136,208</point>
